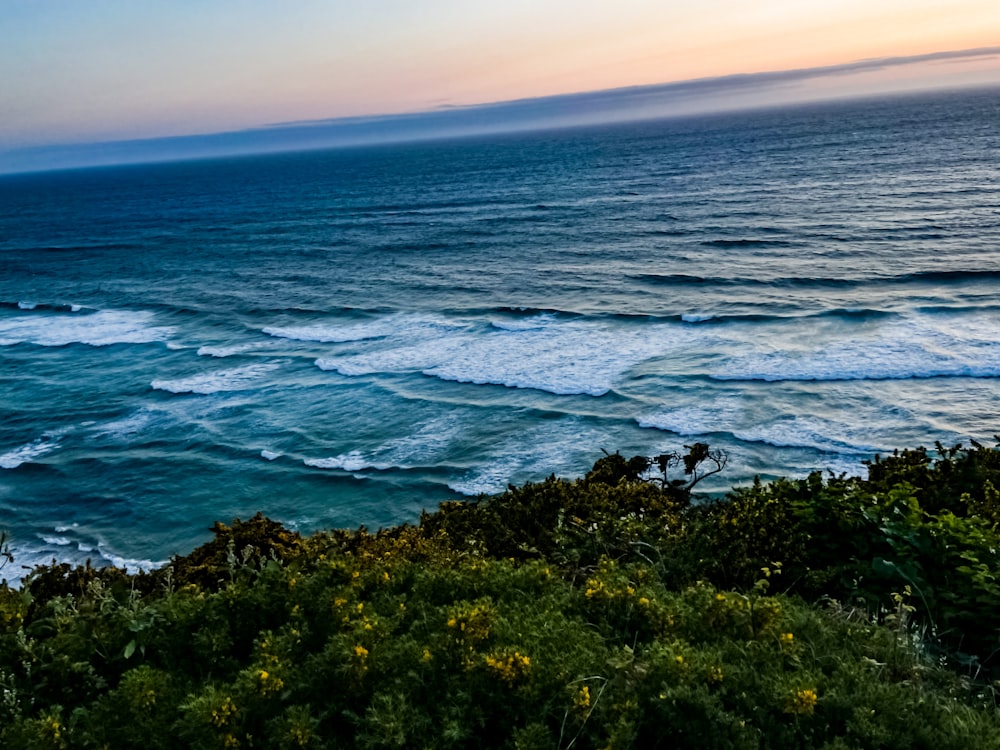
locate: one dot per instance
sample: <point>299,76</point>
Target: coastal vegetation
<point>616,610</point>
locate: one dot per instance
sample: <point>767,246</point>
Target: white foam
<point>732,416</point>
<point>697,317</point>
<point>64,547</point>
<point>269,455</point>
<point>26,453</point>
<point>852,362</point>
<point>545,353</point>
<point>127,427</point>
<point>554,447</point>
<point>852,467</point>
<point>525,324</point>
<point>218,381</point>
<point>716,415</point>
<point>131,564</point>
<point>96,329</point>
<point>27,305</point>
<point>226,351</point>
<point>491,479</point>
<point>59,541</point>
<point>427,445</point>
<point>919,348</point>
<point>398,326</point>
<point>75,308</point>
<point>353,461</point>
<point>811,432</point>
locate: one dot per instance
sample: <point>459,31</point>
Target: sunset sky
<point>112,70</point>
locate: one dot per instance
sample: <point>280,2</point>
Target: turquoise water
<point>346,337</point>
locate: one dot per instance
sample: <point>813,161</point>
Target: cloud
<point>562,110</point>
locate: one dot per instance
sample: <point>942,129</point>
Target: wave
<point>49,549</point>
<point>716,416</point>
<point>533,323</point>
<point>949,276</point>
<point>593,355</point>
<point>564,446</point>
<point>563,357</point>
<point>27,453</point>
<point>807,432</point>
<point>525,311</point>
<point>126,428</point>
<point>753,243</point>
<point>222,351</point>
<point>68,544</point>
<point>218,381</point>
<point>102,328</point>
<point>83,248</point>
<point>849,313</point>
<point>353,461</point>
<point>882,359</point>
<point>730,416</point>
<point>680,279</point>
<point>376,328</point>
<point>426,446</point>
<point>40,306</point>
<point>810,282</point>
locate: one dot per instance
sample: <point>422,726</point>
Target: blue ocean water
<point>345,337</point>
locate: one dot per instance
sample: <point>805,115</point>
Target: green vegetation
<point>606,612</point>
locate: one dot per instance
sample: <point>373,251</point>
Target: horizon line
<point>669,100</point>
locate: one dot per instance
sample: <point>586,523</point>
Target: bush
<point>609,611</point>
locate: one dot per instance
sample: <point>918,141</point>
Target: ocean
<point>349,336</point>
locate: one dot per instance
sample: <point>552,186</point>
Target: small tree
<point>699,462</point>
<point>6,557</point>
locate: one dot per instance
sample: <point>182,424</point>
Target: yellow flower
<point>509,668</point>
<point>268,683</point>
<point>802,702</point>
<point>643,601</point>
<point>361,652</point>
<point>221,715</point>
<point>427,656</point>
<point>581,701</point>
<point>787,637</point>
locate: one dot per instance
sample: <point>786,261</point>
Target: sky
<point>118,71</point>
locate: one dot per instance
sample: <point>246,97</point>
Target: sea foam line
<point>564,357</point>
<point>218,381</point>
<point>102,328</point>
<point>27,453</point>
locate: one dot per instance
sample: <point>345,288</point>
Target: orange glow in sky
<point>117,69</point>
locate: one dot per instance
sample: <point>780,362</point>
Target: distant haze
<point>725,93</point>
<point>119,81</point>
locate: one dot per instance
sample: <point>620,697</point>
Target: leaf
<point>130,649</point>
